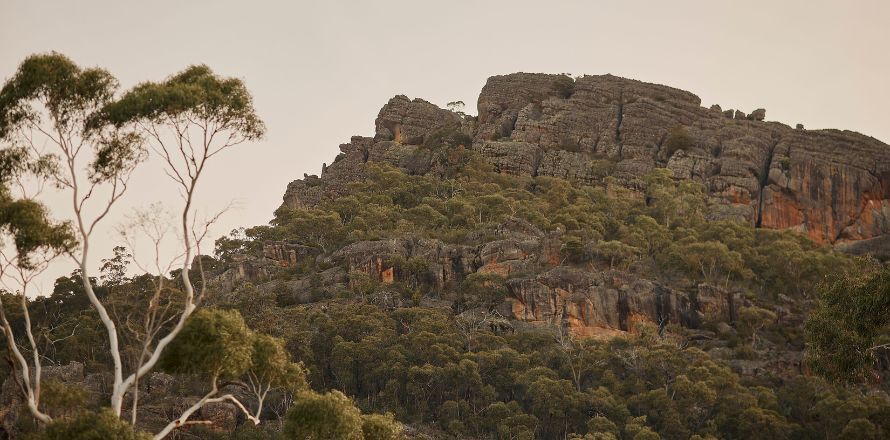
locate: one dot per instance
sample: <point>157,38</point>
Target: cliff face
<point>832,185</point>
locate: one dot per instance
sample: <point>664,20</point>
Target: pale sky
<point>320,71</point>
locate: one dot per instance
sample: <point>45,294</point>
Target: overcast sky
<point>321,70</point>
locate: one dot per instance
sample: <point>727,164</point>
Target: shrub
<point>570,144</point>
<point>381,427</point>
<point>449,136</point>
<point>564,86</point>
<point>91,426</point>
<point>62,398</point>
<point>678,139</point>
<point>573,251</point>
<point>322,417</point>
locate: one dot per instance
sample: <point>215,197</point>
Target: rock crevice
<point>764,179</point>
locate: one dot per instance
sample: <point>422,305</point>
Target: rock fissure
<point>619,117</point>
<point>763,180</point>
<point>659,143</point>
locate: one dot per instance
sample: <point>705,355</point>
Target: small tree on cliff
<point>457,107</point>
<point>754,319</point>
<point>65,117</point>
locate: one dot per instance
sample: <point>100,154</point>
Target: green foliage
<point>617,253</point>
<point>60,398</point>
<point>317,227</point>
<point>218,344</point>
<point>330,416</point>
<point>850,326</point>
<point>213,342</point>
<point>236,243</point>
<point>69,93</point>
<point>114,269</point>
<point>72,98</point>
<point>677,139</point>
<point>416,363</point>
<point>103,425</point>
<point>449,136</point>
<point>713,260</point>
<point>456,107</point>
<point>564,86</point>
<point>116,155</point>
<point>754,319</point>
<point>28,225</point>
<point>270,364</point>
<point>195,92</point>
<point>573,251</point>
<point>381,427</point>
<point>480,290</point>
<point>470,375</point>
<point>661,231</point>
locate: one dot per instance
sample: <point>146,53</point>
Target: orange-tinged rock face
<point>388,276</point>
<point>610,303</point>
<point>828,202</point>
<point>780,210</point>
<point>598,333</point>
<point>495,268</point>
<point>737,195</point>
<point>636,318</point>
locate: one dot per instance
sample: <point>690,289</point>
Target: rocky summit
<point>832,185</point>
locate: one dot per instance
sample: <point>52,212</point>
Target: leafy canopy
<point>849,326</point>
<point>91,426</point>
<point>213,342</point>
<point>69,93</point>
<point>30,228</point>
<point>195,93</point>
<point>327,416</point>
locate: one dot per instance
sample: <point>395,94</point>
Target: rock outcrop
<point>383,260</point>
<point>606,303</point>
<point>832,185</point>
<point>410,122</point>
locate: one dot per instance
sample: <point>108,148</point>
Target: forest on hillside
<point>324,346</point>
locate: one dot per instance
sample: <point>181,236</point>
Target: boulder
<point>407,121</point>
<point>758,115</point>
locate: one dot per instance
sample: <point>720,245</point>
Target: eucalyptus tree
<point>219,345</point>
<point>186,120</point>
<point>29,240</point>
<point>87,141</point>
<point>47,98</point>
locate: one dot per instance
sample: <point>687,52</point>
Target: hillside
<point>591,240</point>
